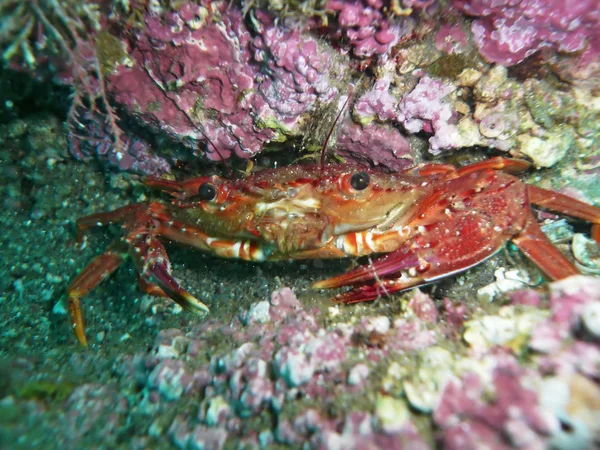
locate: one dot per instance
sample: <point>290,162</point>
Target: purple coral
<point>513,417</point>
<point>376,144</point>
<point>363,24</point>
<point>298,70</point>
<point>424,109</point>
<point>507,32</point>
<point>190,77</point>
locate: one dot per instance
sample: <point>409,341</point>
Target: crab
<point>423,224</point>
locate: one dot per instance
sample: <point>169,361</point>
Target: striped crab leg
<point>143,246</point>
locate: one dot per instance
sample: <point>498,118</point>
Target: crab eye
<point>360,181</point>
<point>207,192</point>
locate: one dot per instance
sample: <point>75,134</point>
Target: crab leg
<point>107,218</point>
<point>245,249</point>
<point>416,276</point>
<point>566,205</point>
<point>512,166</point>
<point>403,259</point>
<point>373,291</point>
<point>537,247</point>
<point>145,249</point>
<point>508,165</point>
<point>100,268</point>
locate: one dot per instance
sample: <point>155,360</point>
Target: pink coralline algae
<point>199,75</point>
<point>510,416</point>
<point>377,103</point>
<point>550,402</point>
<point>298,70</point>
<point>356,432</point>
<point>284,373</point>
<point>451,39</point>
<point>189,75</point>
<point>574,303</point>
<point>374,144</point>
<point>423,307</point>
<point>507,32</point>
<point>95,140</point>
<point>363,24</point>
<point>424,109</point>
<point>93,410</point>
<point>275,361</point>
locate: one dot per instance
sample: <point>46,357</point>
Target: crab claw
<point>154,268</point>
<point>394,272</point>
<point>401,259</point>
<point>159,273</point>
<point>152,262</point>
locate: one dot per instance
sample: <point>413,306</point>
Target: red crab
<point>424,224</point>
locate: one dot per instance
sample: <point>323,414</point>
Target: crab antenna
<point>323,150</point>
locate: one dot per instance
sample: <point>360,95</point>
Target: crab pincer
<point>148,253</point>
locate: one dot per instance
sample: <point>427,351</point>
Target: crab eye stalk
<point>360,181</point>
<point>207,192</point>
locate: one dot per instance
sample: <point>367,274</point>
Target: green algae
<point>46,390</point>
<point>549,107</point>
<point>110,52</point>
<point>450,65</point>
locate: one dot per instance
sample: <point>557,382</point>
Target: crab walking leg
<point>153,265</point>
<point>538,248</point>
<point>96,271</point>
<point>107,218</point>
<point>150,288</point>
<point>512,166</point>
<point>566,205</point>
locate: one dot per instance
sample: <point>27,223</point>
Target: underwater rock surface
<point>495,356</point>
<point>216,79</point>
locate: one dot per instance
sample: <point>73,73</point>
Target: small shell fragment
<point>587,253</point>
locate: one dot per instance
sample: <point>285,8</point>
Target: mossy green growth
<point>281,131</point>
<point>548,106</point>
<point>45,390</point>
<point>110,52</point>
<point>588,125</point>
<point>547,150</point>
<point>450,65</point>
